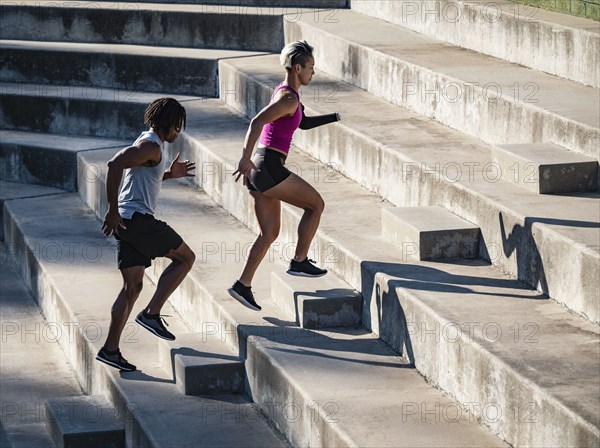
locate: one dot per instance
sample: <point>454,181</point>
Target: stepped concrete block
<point>317,303</point>
<point>193,26</point>
<point>281,380</point>
<point>87,421</point>
<point>498,102</point>
<point>430,233</point>
<point>546,168</point>
<point>125,67</point>
<point>412,161</point>
<point>10,191</point>
<point>202,365</point>
<point>227,5</point>
<point>519,33</point>
<point>140,399</point>
<point>40,160</point>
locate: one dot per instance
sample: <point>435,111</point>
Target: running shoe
<point>154,324</point>
<point>305,268</point>
<point>114,359</point>
<point>243,294</point>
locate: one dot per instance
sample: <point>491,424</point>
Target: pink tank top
<point>278,134</point>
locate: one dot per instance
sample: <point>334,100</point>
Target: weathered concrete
<point>10,191</point>
<point>158,25</point>
<point>323,302</point>
<point>45,160</point>
<point>551,243</point>
<point>88,421</point>
<point>127,67</point>
<point>201,365</point>
<point>546,168</point>
<point>141,399</point>
<point>543,40</point>
<point>431,233</point>
<point>309,412</point>
<point>490,99</point>
<point>33,368</point>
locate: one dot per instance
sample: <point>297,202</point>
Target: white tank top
<point>141,184</point>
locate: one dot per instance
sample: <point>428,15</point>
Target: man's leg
<point>132,286</point>
<point>182,261</point>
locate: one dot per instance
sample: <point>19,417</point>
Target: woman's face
<point>306,73</point>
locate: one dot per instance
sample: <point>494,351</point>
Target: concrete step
<point>84,421</point>
<point>141,399</point>
<point>202,365</point>
<point>282,360</point>
<point>225,5</point>
<point>546,168</point>
<point>82,111</point>
<point>33,368</point>
<point>412,161</point>
<point>10,191</point>
<point>490,99</point>
<point>430,233</point>
<point>519,33</point>
<point>128,67</point>
<point>361,256</point>
<point>324,302</point>
<point>40,159</point>
<point>159,25</point>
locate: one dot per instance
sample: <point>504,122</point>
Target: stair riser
<point>474,110</point>
<point>516,35</point>
<point>48,113</point>
<point>30,165</point>
<point>130,24</point>
<point>381,170</point>
<point>104,70</point>
<point>514,409</point>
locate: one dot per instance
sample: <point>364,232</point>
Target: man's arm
<point>145,153</point>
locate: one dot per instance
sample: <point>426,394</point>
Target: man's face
<point>173,133</point>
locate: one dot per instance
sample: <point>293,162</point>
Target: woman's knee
<point>318,205</point>
<point>270,235</point>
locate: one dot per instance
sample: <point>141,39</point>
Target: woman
<point>267,178</point>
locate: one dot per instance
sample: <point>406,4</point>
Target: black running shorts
<point>144,239</point>
<point>272,168</point>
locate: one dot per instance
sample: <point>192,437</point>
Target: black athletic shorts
<point>144,239</point>
<point>272,168</point>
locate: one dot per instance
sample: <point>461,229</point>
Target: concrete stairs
<point>485,339</point>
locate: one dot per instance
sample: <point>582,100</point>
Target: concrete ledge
<point>546,168</point>
<point>317,303</point>
<point>523,34</point>
<point>87,421</point>
<point>52,162</point>
<point>161,25</point>
<point>431,233</point>
<point>412,161</point>
<point>201,365</point>
<point>127,67</point>
<point>462,89</point>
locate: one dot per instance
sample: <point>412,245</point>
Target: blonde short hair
<point>295,53</point>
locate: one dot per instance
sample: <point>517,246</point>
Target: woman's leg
<point>296,191</point>
<point>268,214</point>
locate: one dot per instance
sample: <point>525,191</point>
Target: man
<point>141,237</point>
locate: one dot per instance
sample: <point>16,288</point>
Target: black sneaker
<point>305,268</point>
<point>114,359</point>
<point>154,324</point>
<point>243,294</point>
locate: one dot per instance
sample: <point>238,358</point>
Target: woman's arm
<point>318,120</point>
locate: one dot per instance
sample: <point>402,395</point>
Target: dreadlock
<point>164,113</point>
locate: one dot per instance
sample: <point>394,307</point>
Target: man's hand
<point>112,220</point>
<point>180,169</point>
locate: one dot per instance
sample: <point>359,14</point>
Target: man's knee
<point>318,205</point>
<point>133,289</point>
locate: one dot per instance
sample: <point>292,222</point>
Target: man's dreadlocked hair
<point>164,113</point>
